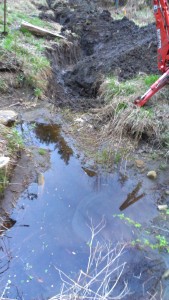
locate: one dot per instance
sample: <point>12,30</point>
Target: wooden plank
<point>36,30</point>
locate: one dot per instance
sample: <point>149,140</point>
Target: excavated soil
<point>98,46</point>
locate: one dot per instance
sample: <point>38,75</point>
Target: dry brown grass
<point>137,11</point>
<point>121,118</point>
<point>27,7</point>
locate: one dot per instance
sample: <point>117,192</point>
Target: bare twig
<point>102,269</point>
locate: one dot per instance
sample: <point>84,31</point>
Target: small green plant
<point>108,157</point>
<point>147,112</point>
<point>154,156</point>
<point>3,86</point>
<point>160,241</point>
<point>163,166</point>
<point>42,151</point>
<point>15,140</point>
<point>121,106</point>
<point>20,79</point>
<point>129,220</point>
<point>38,93</point>
<point>165,139</point>
<point>117,158</point>
<point>104,156</point>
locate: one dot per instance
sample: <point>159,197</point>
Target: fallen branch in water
<point>102,274</point>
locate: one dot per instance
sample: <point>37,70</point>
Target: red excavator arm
<point>161,13</point>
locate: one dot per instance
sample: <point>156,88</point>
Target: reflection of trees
<point>49,134</point>
<point>29,195</point>
<point>132,197</point>
<point>64,150</point>
<point>98,179</point>
<point>5,254</point>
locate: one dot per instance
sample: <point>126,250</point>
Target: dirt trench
<point>98,46</point>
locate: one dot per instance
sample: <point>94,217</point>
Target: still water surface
<point>53,217</point>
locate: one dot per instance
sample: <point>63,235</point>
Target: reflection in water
<point>51,134</point>
<point>90,173</point>
<point>5,255</point>
<point>132,197</point>
<point>98,180</point>
<point>47,133</point>
<point>6,223</point>
<point>30,194</point>
<point>53,231</point>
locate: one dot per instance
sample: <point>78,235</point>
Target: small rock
<point>50,14</point>
<point>4,161</point>
<point>7,116</point>
<point>152,174</point>
<point>166,274</point>
<point>140,163</point>
<point>163,207</point>
<point>167,192</point>
<point>79,120</point>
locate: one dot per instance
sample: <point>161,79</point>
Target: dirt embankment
<point>105,47</point>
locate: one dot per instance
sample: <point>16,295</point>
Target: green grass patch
<point>15,141</point>
<point>28,49</point>
<point>108,157</point>
<point>115,88</point>
<point>13,145</point>
<point>146,112</point>
<point>121,88</point>
<point>150,79</point>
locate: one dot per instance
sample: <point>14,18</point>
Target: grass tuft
<point>150,79</point>
<point>121,117</point>
<point>27,49</point>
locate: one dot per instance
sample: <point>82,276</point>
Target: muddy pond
<point>52,220</point>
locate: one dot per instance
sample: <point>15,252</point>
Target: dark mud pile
<point>105,47</point>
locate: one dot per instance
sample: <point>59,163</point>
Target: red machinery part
<point>161,14</point>
<point>162,81</point>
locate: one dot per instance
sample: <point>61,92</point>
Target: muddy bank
<point>101,46</point>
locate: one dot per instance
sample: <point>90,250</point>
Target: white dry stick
<point>6,287</point>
